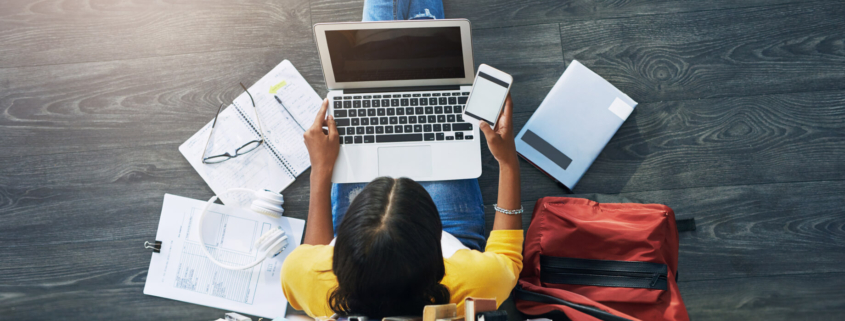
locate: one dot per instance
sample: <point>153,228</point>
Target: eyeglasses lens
<point>217,159</point>
<point>248,147</point>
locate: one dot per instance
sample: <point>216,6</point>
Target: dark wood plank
<point>709,142</point>
<point>56,32</point>
<point>95,195</point>
<point>753,51</point>
<point>116,294</point>
<point>336,11</point>
<point>789,297</point>
<point>115,104</point>
<point>504,13</point>
<point>499,13</point>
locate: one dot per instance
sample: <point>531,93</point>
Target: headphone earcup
<point>271,197</point>
<point>277,247</point>
<point>264,208</point>
<point>268,238</point>
<point>268,203</point>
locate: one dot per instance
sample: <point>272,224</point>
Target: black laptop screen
<point>396,54</point>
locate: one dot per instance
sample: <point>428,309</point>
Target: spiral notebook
<point>275,164</point>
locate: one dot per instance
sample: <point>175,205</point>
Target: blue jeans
<point>379,10</point>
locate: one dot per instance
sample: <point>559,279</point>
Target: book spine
<point>273,151</point>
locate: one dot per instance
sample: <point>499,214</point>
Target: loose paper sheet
<point>182,272</point>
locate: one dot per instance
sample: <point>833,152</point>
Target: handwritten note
<point>275,88</point>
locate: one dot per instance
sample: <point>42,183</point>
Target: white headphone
<point>270,244</point>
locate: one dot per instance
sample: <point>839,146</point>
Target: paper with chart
<point>182,272</point>
<point>274,165</point>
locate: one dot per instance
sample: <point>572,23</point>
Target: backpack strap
<point>685,225</point>
<point>525,295</point>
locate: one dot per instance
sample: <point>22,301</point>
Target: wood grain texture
<point>709,142</point>
<point>503,13</point>
<point>137,102</point>
<point>499,13</point>
<point>792,297</point>
<point>753,51</point>
<point>76,197</point>
<point>57,32</point>
<point>336,11</point>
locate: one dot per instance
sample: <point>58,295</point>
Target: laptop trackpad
<point>410,161</point>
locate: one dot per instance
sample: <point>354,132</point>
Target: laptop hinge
<point>396,89</point>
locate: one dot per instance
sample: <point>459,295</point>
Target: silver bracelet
<point>509,212</point>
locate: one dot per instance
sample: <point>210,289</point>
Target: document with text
<point>182,272</point>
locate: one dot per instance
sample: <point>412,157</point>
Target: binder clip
<point>156,247</point>
<point>232,316</point>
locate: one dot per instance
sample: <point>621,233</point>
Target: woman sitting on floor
<point>401,244</point>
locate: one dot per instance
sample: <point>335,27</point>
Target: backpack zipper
<point>630,274</point>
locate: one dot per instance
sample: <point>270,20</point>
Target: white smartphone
<point>489,91</point>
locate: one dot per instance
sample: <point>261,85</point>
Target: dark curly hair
<point>387,257</point>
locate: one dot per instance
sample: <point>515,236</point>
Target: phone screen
<point>488,93</point>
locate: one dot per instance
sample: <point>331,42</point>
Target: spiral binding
<point>281,160</point>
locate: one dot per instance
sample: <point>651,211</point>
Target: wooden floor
<point>741,124</point>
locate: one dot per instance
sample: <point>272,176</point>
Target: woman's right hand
<point>500,139</point>
<point>323,146</point>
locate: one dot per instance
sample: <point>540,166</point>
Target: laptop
<point>397,90</point>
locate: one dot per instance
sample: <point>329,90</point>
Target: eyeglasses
<point>245,148</point>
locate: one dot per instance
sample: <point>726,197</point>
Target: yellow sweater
<point>491,274</point>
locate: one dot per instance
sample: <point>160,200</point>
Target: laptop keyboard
<point>408,117</point>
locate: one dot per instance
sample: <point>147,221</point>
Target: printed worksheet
<point>284,105</point>
<point>182,272</point>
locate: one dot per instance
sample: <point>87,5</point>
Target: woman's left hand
<point>500,139</point>
<point>323,146</point>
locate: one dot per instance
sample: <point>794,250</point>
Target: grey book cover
<point>573,124</point>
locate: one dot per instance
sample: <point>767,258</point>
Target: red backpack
<point>589,261</point>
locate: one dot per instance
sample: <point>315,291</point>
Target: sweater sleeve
<point>307,279</point>
<point>491,274</point>
<point>506,246</point>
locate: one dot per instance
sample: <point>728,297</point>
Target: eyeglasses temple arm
<point>255,109</point>
<point>205,150</point>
